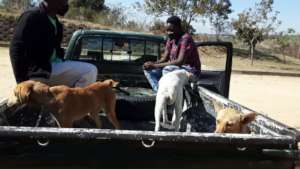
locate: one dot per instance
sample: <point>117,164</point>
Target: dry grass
<point>215,58</point>
<point>68,22</point>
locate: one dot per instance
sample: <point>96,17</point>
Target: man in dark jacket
<point>36,52</point>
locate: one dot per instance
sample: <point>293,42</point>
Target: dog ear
<point>247,118</point>
<point>217,106</point>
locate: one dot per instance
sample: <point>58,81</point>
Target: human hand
<point>149,65</point>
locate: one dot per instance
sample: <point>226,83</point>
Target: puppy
<point>230,120</point>
<point>71,104</point>
<point>170,92</point>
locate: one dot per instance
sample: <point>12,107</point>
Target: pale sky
<point>289,12</point>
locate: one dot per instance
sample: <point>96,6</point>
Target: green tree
<point>16,5</point>
<point>253,25</point>
<point>187,10</point>
<point>284,41</point>
<point>218,15</point>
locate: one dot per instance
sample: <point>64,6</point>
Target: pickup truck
<point>38,143</point>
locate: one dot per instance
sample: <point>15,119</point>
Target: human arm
<point>163,59</point>
<point>19,46</point>
<point>59,50</point>
<point>178,62</point>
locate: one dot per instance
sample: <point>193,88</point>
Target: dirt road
<point>7,80</point>
<point>278,97</point>
<point>275,96</point>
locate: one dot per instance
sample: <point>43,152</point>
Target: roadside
<point>274,96</point>
<point>268,73</point>
<point>7,80</point>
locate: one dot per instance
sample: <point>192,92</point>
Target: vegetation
<point>218,16</point>
<point>284,41</point>
<point>157,27</point>
<point>188,10</point>
<point>16,5</point>
<point>84,10</point>
<point>254,25</point>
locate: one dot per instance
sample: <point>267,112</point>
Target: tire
<point>138,106</point>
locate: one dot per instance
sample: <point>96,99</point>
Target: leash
<point>47,141</point>
<point>191,95</point>
<point>122,90</point>
<point>39,142</point>
<point>39,117</point>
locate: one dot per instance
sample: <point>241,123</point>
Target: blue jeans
<point>154,75</point>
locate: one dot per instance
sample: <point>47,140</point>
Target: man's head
<point>174,28</point>
<point>59,7</point>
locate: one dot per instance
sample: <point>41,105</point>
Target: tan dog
<point>230,120</point>
<point>70,103</point>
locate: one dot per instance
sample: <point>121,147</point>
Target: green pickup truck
<point>120,56</point>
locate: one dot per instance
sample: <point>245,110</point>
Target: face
<point>61,7</point>
<point>173,31</point>
<point>231,121</point>
<point>228,121</point>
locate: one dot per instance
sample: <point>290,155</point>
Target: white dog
<point>170,92</point>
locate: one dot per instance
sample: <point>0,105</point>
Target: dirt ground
<point>275,96</point>
<point>7,80</point>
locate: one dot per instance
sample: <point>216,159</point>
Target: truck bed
<point>270,145</point>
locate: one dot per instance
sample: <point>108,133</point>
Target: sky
<point>289,12</point>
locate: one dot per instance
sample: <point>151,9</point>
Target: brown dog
<point>230,120</point>
<point>70,103</point>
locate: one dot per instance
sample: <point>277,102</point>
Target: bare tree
<point>218,16</point>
